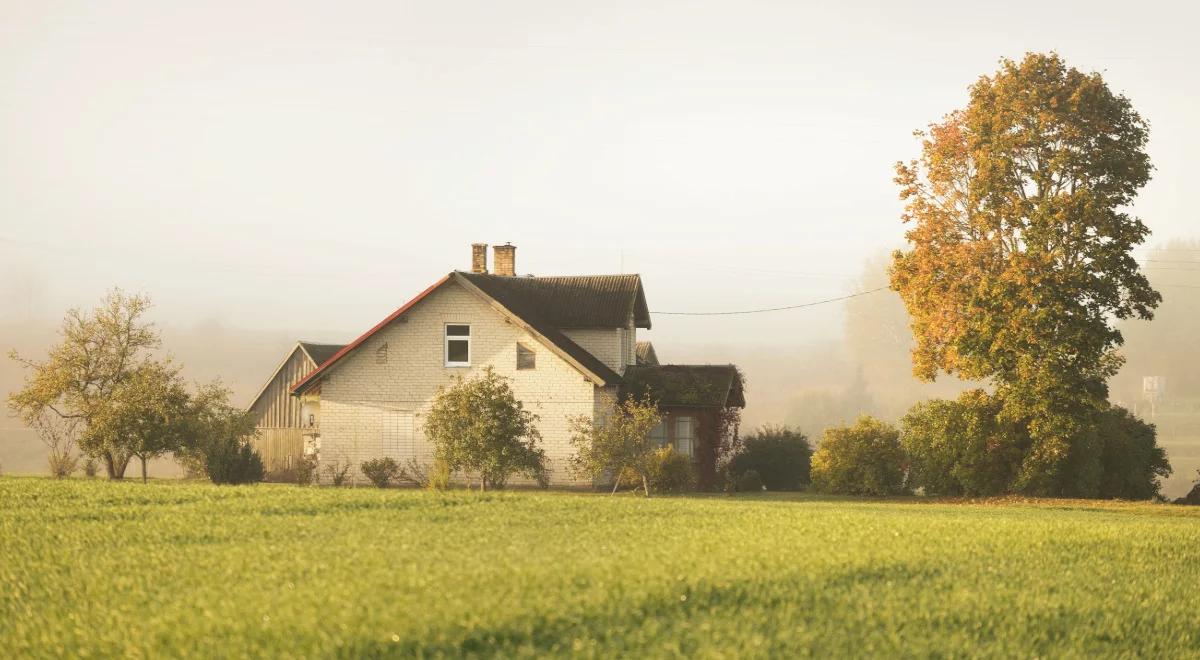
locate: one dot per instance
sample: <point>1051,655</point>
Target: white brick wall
<point>371,409</point>
<point>604,343</point>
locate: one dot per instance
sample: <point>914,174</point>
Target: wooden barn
<point>283,420</point>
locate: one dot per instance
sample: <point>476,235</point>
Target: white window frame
<point>447,338</point>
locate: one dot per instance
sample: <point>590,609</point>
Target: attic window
<point>526,358</point>
<point>458,345</point>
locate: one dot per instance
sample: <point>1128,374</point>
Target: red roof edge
<point>312,377</point>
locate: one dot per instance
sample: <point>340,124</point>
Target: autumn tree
<point>97,354</point>
<point>618,441</point>
<point>1020,250</point>
<point>479,427</point>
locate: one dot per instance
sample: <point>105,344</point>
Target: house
<point>281,419</point>
<point>567,344</point>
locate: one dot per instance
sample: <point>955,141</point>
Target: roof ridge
<point>546,277</point>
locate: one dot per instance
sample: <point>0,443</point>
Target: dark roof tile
<point>582,301</point>
<point>320,353</point>
<point>698,385</point>
<point>646,355</point>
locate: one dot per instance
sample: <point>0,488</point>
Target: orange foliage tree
<point>1020,250</point>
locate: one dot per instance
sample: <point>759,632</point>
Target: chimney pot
<point>505,257</point>
<point>479,258</point>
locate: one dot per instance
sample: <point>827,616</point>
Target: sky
<point>305,168</point>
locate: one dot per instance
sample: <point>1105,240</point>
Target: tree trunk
<point>616,485</point>
<point>143,458</point>
<point>646,485</point>
<point>120,464</point>
<point>115,465</point>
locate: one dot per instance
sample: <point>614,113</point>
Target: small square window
<point>458,345</point>
<point>526,358</point>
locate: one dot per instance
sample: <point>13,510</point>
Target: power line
<point>775,309</point>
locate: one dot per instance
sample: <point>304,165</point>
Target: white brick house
<point>564,343</point>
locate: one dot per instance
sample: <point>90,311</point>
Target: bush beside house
<point>480,428</point>
<point>779,455</point>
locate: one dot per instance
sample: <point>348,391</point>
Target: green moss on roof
<point>702,386</point>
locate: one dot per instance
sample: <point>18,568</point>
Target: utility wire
<point>775,309</point>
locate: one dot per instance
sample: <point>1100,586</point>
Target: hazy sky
<point>308,167</point>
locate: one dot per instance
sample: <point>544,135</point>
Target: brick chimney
<point>505,259</point>
<point>479,257</point>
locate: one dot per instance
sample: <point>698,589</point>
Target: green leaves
<point>478,426</point>
<point>1020,248</point>
<point>618,441</point>
<point>862,459</point>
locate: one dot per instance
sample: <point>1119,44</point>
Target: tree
<point>1020,257</point>
<point>146,415</point>
<point>478,426</point>
<point>862,459</point>
<point>617,442</point>
<point>97,353</point>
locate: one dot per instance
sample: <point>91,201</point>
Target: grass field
<point>174,569</point>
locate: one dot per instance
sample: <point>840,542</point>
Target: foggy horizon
<point>736,159</point>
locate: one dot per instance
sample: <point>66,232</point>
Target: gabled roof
<point>316,353</point>
<point>312,378</point>
<point>691,385</point>
<point>548,334</point>
<point>646,355</point>
<point>581,301</point>
<point>528,319</point>
<point>320,353</point>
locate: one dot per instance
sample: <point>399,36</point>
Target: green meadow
<point>181,569</point>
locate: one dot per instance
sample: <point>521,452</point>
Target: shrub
<point>439,475</point>
<point>672,472</point>
<point>62,465</point>
<point>1193,496</point>
<point>749,481</point>
<point>90,467</point>
<point>435,476</point>
<point>381,472</point>
<point>232,461</point>
<point>306,470</point>
<point>1130,459</point>
<point>337,471</point>
<point>667,471</point>
<point>780,455</point>
<point>862,459</point>
<point>962,447</point>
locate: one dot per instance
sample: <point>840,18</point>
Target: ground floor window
<point>658,435</point>
<point>678,431</point>
<point>685,435</point>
